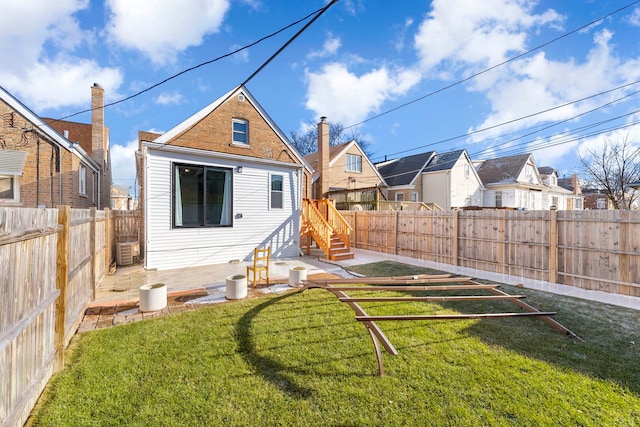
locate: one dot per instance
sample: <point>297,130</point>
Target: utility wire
<point>264,64</point>
<point>558,122</point>
<point>459,82</point>
<point>319,11</point>
<point>464,135</point>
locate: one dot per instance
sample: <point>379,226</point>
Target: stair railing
<point>315,224</point>
<point>340,226</point>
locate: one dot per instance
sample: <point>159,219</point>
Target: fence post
<point>62,278</point>
<point>108,251</point>
<point>454,232</point>
<point>623,237</point>
<point>553,246</point>
<point>395,233</point>
<point>502,240</point>
<point>355,229</point>
<point>92,244</point>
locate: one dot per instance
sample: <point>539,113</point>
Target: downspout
<point>60,174</point>
<point>37,172</point>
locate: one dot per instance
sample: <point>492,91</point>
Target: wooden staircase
<point>324,224</point>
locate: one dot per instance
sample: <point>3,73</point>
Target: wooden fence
<point>596,250</point>
<point>51,261</point>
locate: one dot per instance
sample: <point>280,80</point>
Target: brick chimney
<point>98,150</point>
<point>575,184</point>
<point>323,157</point>
<point>100,146</point>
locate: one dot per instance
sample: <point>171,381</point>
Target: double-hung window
<point>202,196</point>
<point>8,189</point>
<point>276,192</point>
<point>240,132</point>
<point>11,166</point>
<point>354,163</point>
<point>82,180</point>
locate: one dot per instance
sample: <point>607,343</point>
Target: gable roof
<point>334,152</point>
<point>338,151</point>
<point>79,133</point>
<point>203,113</point>
<point>443,161</point>
<point>404,170</point>
<point>503,170</point>
<point>546,170</point>
<point>46,129</point>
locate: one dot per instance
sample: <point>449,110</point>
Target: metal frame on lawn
<point>443,282</point>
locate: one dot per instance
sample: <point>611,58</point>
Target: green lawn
<point>302,359</point>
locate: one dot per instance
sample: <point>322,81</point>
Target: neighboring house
<point>572,184</point>
<point>451,181</point>
<point>403,176</point>
<point>121,200</point>
<point>596,199</point>
<point>512,182</point>
<point>219,184</point>
<point>41,166</point>
<point>349,178</point>
<point>557,196</point>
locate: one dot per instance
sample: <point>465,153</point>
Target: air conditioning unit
<point>125,251</point>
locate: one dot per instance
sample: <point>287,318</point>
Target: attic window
<point>240,132</point>
<point>241,98</point>
<point>353,163</point>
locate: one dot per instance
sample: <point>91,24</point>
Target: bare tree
<point>307,142</point>
<point>612,168</point>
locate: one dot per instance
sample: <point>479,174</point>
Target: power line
<point>459,82</point>
<point>539,129</point>
<point>464,135</point>
<point>264,64</point>
<point>202,64</point>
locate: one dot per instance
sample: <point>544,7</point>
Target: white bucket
<point>153,297</point>
<point>236,286</point>
<point>297,275</point>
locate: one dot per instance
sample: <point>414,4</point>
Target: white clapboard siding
<point>254,223</point>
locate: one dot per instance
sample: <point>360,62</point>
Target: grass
<point>302,359</point>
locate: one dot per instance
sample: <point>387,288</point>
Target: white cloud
<point>123,164</point>
<point>62,82</point>
<point>634,18</point>
<point>169,98</point>
<point>538,83</point>
<point>348,98</point>
<point>49,80</point>
<point>329,47</point>
<point>163,28</point>
<point>477,33</point>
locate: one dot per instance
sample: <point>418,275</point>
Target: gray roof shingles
<point>403,170</point>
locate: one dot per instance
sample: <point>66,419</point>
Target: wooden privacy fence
<point>595,250</point>
<point>51,261</point>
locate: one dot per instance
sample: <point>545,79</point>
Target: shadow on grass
<point>270,369</point>
<point>610,349</point>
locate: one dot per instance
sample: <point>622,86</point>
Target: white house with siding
<point>219,184</point>
<point>512,182</point>
<point>450,181</point>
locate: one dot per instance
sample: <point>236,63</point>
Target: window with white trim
<point>202,196</point>
<point>8,188</point>
<point>82,180</point>
<point>11,166</point>
<point>498,199</point>
<point>353,163</point>
<point>240,132</point>
<point>414,196</point>
<point>276,195</point>
<point>399,197</point>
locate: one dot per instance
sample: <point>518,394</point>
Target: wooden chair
<point>261,258</point>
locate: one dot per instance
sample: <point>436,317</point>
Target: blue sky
<point>361,59</point>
